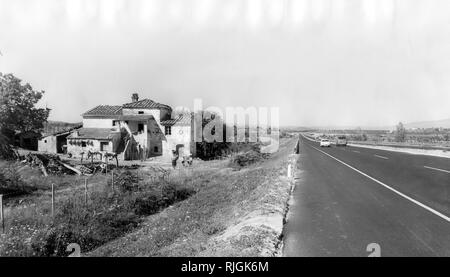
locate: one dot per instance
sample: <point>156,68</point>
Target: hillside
<point>444,123</point>
<point>51,127</point>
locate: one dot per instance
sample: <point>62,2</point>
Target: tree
<point>207,149</point>
<point>18,113</point>
<point>400,134</point>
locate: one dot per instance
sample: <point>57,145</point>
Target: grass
<point>108,214</point>
<point>150,218</point>
<point>203,224</point>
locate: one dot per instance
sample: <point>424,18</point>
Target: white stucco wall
<point>97,123</point>
<point>180,135</point>
<point>76,150</point>
<point>47,144</point>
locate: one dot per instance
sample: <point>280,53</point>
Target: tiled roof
<point>63,131</point>
<point>135,117</point>
<point>145,104</point>
<point>92,133</point>
<point>104,110</point>
<point>183,119</point>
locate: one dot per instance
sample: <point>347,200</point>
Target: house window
<point>83,144</point>
<point>104,146</point>
<point>155,149</point>
<point>140,112</point>
<point>140,127</point>
<point>168,130</point>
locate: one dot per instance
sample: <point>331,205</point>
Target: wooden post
<point>1,213</point>
<point>106,162</point>
<point>53,200</point>
<point>85,190</point>
<point>112,180</point>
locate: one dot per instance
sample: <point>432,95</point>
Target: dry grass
<point>108,214</point>
<point>233,213</point>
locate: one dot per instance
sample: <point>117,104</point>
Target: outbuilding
<point>55,143</point>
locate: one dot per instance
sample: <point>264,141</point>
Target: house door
<point>180,149</point>
<point>104,146</point>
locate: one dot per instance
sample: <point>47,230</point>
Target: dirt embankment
<point>233,213</point>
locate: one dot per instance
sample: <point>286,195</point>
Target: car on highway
<point>341,141</point>
<point>325,143</point>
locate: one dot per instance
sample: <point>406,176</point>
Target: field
<point>191,212</point>
<point>234,212</point>
<point>89,215</point>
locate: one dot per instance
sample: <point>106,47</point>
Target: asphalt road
<point>348,197</point>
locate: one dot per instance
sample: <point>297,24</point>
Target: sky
<point>322,62</point>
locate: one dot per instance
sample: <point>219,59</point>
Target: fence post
<point>53,200</point>
<point>112,180</point>
<point>1,213</point>
<point>85,191</point>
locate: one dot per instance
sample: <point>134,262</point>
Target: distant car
<point>341,141</point>
<point>325,143</point>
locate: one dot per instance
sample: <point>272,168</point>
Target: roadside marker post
<point>1,213</point>
<point>289,171</point>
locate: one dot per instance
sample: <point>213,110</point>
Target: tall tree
<point>400,134</point>
<point>18,111</point>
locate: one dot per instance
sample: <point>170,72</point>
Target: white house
<point>139,129</point>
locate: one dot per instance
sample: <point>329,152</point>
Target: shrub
<point>105,217</point>
<point>247,158</point>
<point>147,205</point>
<point>11,182</point>
<point>126,181</point>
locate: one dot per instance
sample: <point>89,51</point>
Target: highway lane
<point>338,211</point>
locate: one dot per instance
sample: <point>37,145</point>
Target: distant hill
<point>52,127</point>
<point>444,123</point>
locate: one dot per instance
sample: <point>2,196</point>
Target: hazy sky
<point>322,62</point>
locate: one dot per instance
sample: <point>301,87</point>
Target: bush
<point>54,241</point>
<point>126,181</point>
<point>11,183</point>
<point>105,217</point>
<point>147,205</point>
<point>247,158</point>
<point>6,151</point>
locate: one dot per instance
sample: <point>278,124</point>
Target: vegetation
<point>11,182</point>
<point>226,217</point>
<point>18,111</point>
<point>105,216</point>
<point>207,149</point>
<point>400,134</point>
<point>228,141</point>
<point>245,158</point>
<point>6,151</point>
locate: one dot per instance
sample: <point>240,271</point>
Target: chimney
<point>134,97</point>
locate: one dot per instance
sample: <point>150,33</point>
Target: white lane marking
<point>381,157</point>
<point>356,151</point>
<point>438,169</point>
<point>446,218</point>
